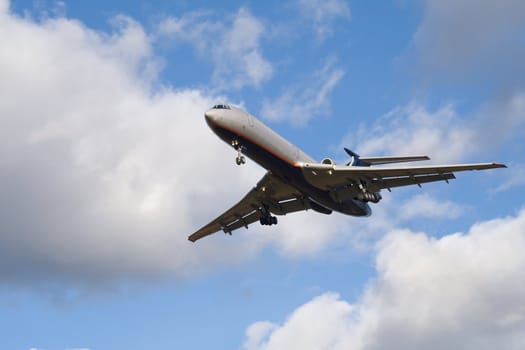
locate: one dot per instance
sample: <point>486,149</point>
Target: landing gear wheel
<point>268,220</point>
<point>240,160</point>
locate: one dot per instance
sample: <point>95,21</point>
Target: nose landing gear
<point>240,158</point>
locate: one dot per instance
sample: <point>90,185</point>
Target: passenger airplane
<point>296,182</point>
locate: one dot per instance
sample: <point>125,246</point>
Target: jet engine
<point>328,161</point>
<point>319,208</point>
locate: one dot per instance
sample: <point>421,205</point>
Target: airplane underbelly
<point>351,207</point>
<point>294,176</point>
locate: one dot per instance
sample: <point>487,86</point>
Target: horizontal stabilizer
<point>389,160</point>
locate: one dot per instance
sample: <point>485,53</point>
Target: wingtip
<point>499,165</point>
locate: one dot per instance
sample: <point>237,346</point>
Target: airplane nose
<point>211,116</point>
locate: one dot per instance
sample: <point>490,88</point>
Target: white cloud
<point>305,234</point>
<point>316,325</point>
<point>256,333</point>
<point>4,6</point>
<point>299,104</point>
<point>412,129</point>
<point>462,291</point>
<point>102,177</point>
<point>442,134</point>
<point>323,14</point>
<point>423,205</point>
<point>233,45</point>
<point>309,234</point>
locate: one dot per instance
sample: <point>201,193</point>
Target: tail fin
<point>355,159</point>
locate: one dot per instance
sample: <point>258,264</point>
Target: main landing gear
<point>267,218</point>
<point>240,158</point>
<point>366,196</point>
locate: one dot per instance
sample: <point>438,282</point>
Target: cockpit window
<point>221,107</point>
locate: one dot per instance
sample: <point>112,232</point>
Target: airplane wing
<point>329,176</point>
<point>270,192</point>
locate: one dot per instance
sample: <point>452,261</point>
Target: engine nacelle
<point>319,208</point>
<point>328,161</point>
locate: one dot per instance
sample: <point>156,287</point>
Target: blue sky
<point>106,165</point>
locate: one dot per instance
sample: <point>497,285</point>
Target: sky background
<point>107,164</point>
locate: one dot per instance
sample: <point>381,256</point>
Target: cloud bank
<point>462,291</point>
<point>100,168</point>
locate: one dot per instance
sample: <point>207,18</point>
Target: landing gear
<point>240,158</point>
<point>267,218</point>
<point>366,196</point>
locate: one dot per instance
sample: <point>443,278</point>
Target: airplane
<point>295,181</point>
